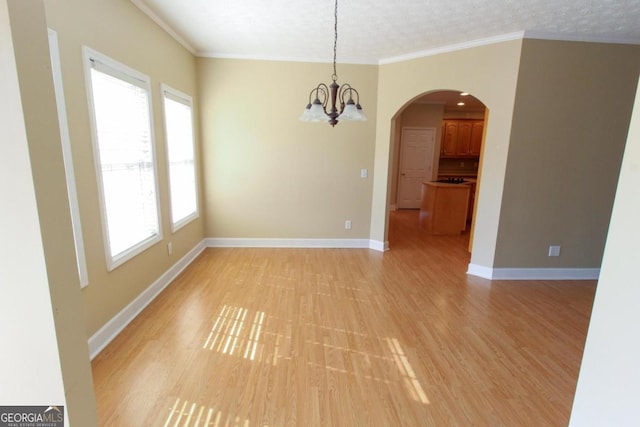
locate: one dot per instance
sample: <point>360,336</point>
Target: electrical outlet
<point>347,224</point>
<point>554,250</point>
<point>169,248</point>
<point>363,173</point>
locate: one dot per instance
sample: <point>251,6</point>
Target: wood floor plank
<point>347,337</point>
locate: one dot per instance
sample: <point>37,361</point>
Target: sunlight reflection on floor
<point>185,414</point>
<point>227,337</point>
<point>238,332</point>
<point>405,368</point>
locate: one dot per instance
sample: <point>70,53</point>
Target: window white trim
<point>183,98</point>
<point>119,70</point>
<point>67,157</point>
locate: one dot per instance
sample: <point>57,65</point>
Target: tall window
<point>180,154</point>
<point>120,102</point>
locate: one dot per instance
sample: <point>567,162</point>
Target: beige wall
<point>609,383</point>
<point>570,121</point>
<point>25,297</point>
<point>490,74</point>
<point>120,30</point>
<point>269,175</point>
<point>60,303</point>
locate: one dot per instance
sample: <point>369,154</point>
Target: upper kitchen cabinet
<point>461,138</point>
<point>449,138</point>
<point>477,130</point>
<point>463,147</point>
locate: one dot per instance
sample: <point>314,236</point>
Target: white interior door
<point>417,148</point>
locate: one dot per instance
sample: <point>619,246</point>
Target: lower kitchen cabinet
<point>444,207</point>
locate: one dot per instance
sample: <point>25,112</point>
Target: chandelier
<point>316,111</point>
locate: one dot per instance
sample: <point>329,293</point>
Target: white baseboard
<point>113,327</point>
<point>230,242</point>
<point>379,246</point>
<point>534,273</point>
<point>480,271</point>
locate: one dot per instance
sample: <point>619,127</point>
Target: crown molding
<point>539,35</point>
<point>155,18</point>
<point>284,58</point>
<point>452,48</point>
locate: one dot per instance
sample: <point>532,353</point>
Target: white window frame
<point>177,96</point>
<point>74,206</point>
<point>142,80</point>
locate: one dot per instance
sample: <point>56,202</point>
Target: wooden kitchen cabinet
<point>449,138</point>
<point>477,131</point>
<point>461,138</point>
<point>463,147</point>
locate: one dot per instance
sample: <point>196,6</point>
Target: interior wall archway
<point>428,110</point>
<point>490,73</point>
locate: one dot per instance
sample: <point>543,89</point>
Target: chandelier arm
<point>346,87</point>
<point>324,90</point>
<point>311,95</point>
<point>357,97</point>
<point>341,94</point>
<point>320,94</point>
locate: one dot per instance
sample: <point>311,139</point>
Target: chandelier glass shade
<point>343,102</point>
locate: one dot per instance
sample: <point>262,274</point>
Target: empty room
<point>338,213</point>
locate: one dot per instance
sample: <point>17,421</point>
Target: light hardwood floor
<point>348,337</point>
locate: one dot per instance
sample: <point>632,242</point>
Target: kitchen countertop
<point>468,181</point>
<point>455,173</point>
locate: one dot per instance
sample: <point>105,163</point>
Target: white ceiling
<point>375,31</point>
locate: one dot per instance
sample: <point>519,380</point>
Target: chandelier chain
<point>335,42</point>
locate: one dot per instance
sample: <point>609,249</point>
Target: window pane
<point>180,151</point>
<point>125,148</point>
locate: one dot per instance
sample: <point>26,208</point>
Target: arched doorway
<point>459,121</point>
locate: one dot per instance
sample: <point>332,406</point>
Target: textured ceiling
<point>374,31</point>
